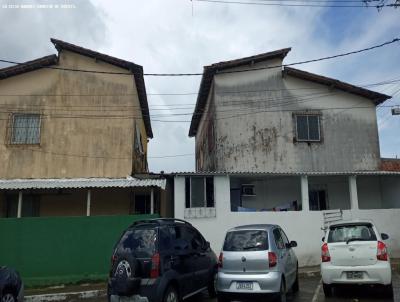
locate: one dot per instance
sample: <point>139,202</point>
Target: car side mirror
<point>291,244</point>
<point>384,236</point>
<point>207,246</point>
<point>323,239</point>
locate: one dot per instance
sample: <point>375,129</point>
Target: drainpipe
<point>19,211</point>
<point>88,201</point>
<point>152,201</point>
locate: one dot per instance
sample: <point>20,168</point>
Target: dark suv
<point>161,260</point>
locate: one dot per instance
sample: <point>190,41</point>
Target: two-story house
<point>75,127</point>
<point>275,144</point>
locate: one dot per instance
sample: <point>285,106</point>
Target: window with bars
<point>25,129</point>
<point>308,127</point>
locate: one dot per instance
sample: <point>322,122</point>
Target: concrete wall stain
<point>76,139</point>
<point>255,130</point>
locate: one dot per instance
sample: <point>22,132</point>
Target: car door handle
<point>173,258</point>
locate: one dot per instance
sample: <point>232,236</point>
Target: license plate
<point>354,275</point>
<point>244,285</point>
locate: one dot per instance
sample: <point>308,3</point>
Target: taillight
<point>155,266</point>
<point>325,256</point>
<point>220,260</point>
<point>382,252</point>
<point>113,259</point>
<point>272,259</point>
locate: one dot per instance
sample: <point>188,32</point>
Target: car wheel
<point>8,297</point>
<point>388,291</point>
<point>221,298</point>
<point>282,292</point>
<point>212,286</point>
<point>295,287</point>
<point>327,290</point>
<point>171,295</point>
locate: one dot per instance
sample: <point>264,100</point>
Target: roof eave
<point>28,66</point>
<point>376,97</point>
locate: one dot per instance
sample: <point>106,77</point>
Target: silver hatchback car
<point>256,260</point>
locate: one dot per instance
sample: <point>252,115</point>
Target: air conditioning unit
<point>248,190</point>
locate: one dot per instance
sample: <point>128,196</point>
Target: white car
<point>354,252</point>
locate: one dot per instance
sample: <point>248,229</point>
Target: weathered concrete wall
<point>255,131</point>
<point>76,139</point>
<point>205,137</point>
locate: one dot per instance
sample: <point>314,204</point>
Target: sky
<point>173,36</point>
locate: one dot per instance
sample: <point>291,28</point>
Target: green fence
<point>56,250</point>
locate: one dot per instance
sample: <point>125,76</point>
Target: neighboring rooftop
<point>211,70</point>
<point>28,66</point>
<point>48,61</point>
<point>390,164</point>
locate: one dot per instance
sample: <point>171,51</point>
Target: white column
<point>305,202</point>
<point>88,201</point>
<point>152,201</point>
<point>19,210</point>
<point>353,192</point>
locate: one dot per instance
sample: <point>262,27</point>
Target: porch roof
<point>60,183</point>
<point>287,173</point>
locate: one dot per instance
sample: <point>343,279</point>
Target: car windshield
<point>246,240</point>
<point>140,242</point>
<point>348,233</point>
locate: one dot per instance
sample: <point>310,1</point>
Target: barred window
<point>25,129</point>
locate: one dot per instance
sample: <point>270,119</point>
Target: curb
<point>65,296</point>
<point>312,273</point>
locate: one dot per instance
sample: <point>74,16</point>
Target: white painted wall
<point>303,227</point>
<point>270,192</point>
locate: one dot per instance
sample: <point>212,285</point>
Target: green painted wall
<point>55,250</point>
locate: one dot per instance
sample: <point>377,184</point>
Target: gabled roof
<point>376,97</point>
<point>28,66</point>
<point>48,61</point>
<point>211,70</point>
<point>137,71</point>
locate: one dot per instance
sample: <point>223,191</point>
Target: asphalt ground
<point>310,291</point>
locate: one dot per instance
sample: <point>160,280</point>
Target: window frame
<point>308,114</point>
<point>188,192</point>
<point>13,116</point>
<point>278,232</point>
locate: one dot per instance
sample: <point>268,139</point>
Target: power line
<point>222,72</point>
<point>184,106</point>
<point>300,4</point>
<point>105,157</point>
